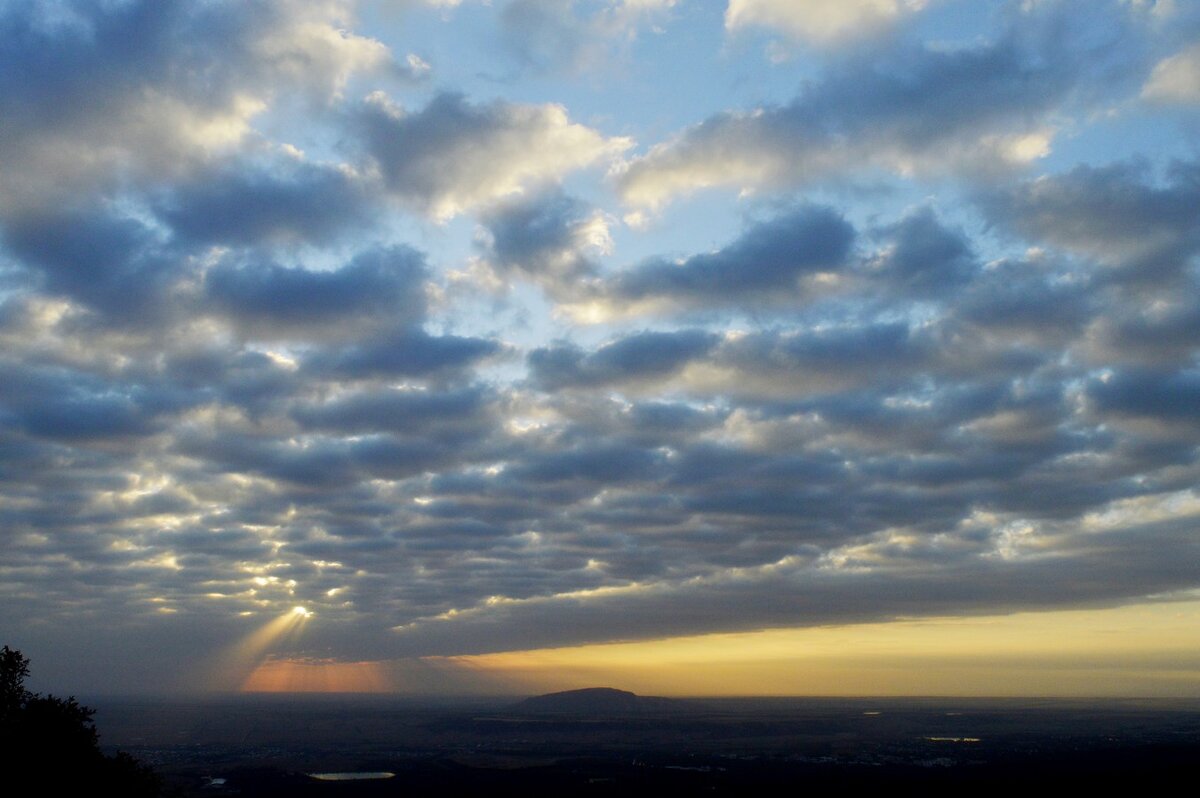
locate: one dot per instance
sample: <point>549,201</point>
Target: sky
<point>686,346</point>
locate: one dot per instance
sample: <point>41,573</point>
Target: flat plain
<point>268,745</point>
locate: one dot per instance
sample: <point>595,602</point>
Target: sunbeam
<point>237,664</point>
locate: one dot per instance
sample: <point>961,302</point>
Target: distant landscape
<point>610,741</point>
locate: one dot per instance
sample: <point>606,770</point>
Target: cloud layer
<point>280,325</point>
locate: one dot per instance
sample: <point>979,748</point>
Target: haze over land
<point>443,346</point>
<point>601,740</point>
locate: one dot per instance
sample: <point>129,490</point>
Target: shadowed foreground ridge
<point>596,701</point>
<point>54,741</point>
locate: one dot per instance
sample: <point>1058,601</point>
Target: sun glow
<point>239,662</point>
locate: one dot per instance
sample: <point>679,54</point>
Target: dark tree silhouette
<point>13,670</point>
<point>51,743</point>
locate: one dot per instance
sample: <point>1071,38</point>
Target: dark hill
<point>598,701</point>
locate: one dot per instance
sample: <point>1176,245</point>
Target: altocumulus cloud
<point>92,89</point>
<point>941,358</point>
<point>452,155</point>
<point>925,109</point>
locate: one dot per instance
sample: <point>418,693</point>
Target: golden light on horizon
<point>309,675</point>
<point>1148,649</point>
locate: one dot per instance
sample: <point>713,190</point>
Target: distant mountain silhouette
<point>598,701</point>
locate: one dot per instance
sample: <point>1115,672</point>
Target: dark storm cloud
<point>767,261</point>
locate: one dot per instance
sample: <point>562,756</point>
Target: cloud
<point>147,90</point>
<point>58,404</point>
<point>400,352</point>
<point>822,21</point>
<point>798,258</point>
<point>648,355</point>
<point>1115,215</point>
<point>1032,302</point>
<point>1152,394</point>
<point>909,111</point>
<point>544,33</point>
<point>1175,79</point>
<point>776,261</point>
<point>452,156</point>
<point>1128,241</point>
<point>606,464</point>
<point>922,256</point>
<point>547,237</point>
<point>379,287</point>
<point>111,263</point>
<point>1164,331</point>
<point>794,362</point>
<point>453,416</point>
<point>319,463</point>
<point>231,384</point>
<point>249,206</point>
<point>891,581</point>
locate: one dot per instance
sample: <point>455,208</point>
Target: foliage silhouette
<point>52,743</point>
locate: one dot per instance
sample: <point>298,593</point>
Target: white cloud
<point>418,67</point>
<point>311,47</point>
<point>818,21</point>
<point>1175,79</point>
